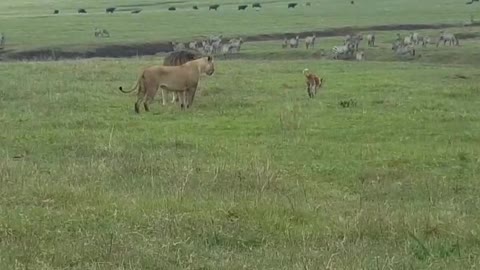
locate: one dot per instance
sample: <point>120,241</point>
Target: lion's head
<point>208,65</point>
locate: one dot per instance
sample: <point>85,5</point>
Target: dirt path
<point>129,50</point>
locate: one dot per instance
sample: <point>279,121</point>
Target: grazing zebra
<point>424,40</point>
<point>407,40</point>
<point>360,56</point>
<point>447,37</point>
<point>285,43</point>
<point>294,42</point>
<point>403,49</point>
<point>101,32</point>
<point>344,50</point>
<point>310,41</point>
<point>415,38</point>
<point>177,46</point>
<point>354,40</point>
<point>371,40</point>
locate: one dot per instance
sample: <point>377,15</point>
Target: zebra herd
<point>211,45</point>
<point>294,42</point>
<point>402,46</point>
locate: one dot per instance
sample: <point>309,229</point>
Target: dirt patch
<point>129,50</point>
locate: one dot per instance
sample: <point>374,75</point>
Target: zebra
<point>101,32</point>
<point>403,49</point>
<point>310,41</point>
<point>294,42</point>
<point>371,40</point>
<point>354,40</point>
<point>447,37</point>
<point>178,46</point>
<point>347,50</point>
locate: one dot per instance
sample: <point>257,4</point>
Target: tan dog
<point>181,79</point>
<point>313,82</point>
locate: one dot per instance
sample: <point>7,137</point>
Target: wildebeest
<point>101,32</point>
<point>195,7</point>
<point>344,50</point>
<point>178,58</point>
<point>447,37</point>
<point>371,40</point>
<point>110,10</point>
<point>256,5</point>
<point>2,39</point>
<point>136,11</point>
<point>214,7</point>
<point>242,7</point>
<point>82,10</point>
<point>172,8</point>
<point>292,5</point>
<point>310,41</point>
<point>294,42</point>
<point>403,49</point>
<point>56,11</point>
<point>308,4</point>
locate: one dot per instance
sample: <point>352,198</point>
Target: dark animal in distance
<point>56,11</point>
<point>242,7</point>
<point>308,4</point>
<point>195,7</point>
<point>292,5</point>
<point>256,5</point>
<point>81,10</point>
<point>172,8</point>
<point>471,2</point>
<point>110,10</point>
<point>136,11</point>
<point>352,2</point>
<point>214,7</point>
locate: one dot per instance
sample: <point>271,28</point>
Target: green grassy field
<point>31,24</point>
<point>255,175</point>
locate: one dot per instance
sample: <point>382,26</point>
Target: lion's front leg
<point>163,97</point>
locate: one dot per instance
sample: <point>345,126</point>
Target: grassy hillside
<point>29,24</point>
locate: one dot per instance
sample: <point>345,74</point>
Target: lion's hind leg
<point>140,99</point>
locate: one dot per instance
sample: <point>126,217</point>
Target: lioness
<point>183,78</point>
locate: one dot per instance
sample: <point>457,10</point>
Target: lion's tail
<point>134,87</point>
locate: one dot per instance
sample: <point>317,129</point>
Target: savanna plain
<point>255,175</point>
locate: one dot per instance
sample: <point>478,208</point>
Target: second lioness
<point>183,79</point>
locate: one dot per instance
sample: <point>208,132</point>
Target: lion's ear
<point>209,58</point>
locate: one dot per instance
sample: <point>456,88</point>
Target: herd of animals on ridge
<point>214,45</point>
